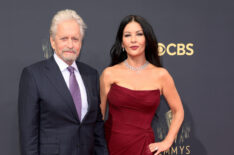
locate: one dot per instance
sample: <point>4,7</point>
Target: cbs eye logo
<point>179,49</point>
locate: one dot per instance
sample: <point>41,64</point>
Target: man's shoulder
<point>85,67</point>
<point>35,70</point>
<point>38,65</point>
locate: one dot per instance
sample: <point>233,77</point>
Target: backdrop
<point>196,39</point>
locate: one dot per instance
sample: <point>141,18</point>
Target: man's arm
<point>100,142</point>
<point>28,109</point>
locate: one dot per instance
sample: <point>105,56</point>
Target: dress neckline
<point>149,90</point>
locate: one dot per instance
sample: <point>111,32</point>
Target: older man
<point>59,98</point>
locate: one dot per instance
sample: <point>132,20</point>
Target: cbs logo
<point>178,49</point>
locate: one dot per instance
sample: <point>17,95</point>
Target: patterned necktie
<point>75,90</point>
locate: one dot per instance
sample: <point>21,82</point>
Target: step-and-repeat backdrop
<point>196,39</point>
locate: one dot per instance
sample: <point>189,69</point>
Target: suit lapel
<point>87,84</point>
<point>56,78</point>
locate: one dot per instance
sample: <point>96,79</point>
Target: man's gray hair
<point>66,15</point>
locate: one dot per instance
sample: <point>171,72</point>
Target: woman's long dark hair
<point>151,46</point>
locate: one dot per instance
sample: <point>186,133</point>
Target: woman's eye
<point>140,34</point>
<point>126,35</point>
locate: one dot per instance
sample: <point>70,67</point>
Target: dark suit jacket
<point>48,120</point>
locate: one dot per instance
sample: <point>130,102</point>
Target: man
<point>59,98</point>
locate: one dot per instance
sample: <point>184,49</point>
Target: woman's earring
<point>123,49</point>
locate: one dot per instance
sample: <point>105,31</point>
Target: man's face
<point>67,41</point>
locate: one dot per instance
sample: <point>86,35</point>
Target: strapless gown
<point>128,129</point>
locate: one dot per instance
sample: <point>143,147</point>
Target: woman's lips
<point>134,47</point>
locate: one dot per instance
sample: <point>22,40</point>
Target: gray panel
<point>204,80</point>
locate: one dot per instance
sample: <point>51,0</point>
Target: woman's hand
<point>159,147</point>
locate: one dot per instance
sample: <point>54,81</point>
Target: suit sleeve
<point>28,110</point>
<point>100,142</point>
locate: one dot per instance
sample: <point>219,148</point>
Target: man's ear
<point>52,42</point>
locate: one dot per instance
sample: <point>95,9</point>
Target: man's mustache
<point>70,50</point>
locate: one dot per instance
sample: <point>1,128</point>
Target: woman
<point>132,85</point>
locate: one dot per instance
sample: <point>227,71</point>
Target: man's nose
<point>70,43</point>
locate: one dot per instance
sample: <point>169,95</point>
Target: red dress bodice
<point>128,128</point>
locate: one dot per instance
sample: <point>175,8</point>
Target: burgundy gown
<point>128,128</point>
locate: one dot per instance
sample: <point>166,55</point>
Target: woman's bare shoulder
<point>160,71</point>
<point>164,75</point>
<point>108,73</point>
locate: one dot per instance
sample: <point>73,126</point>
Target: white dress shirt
<point>66,74</point>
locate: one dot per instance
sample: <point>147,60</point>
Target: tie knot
<point>71,69</point>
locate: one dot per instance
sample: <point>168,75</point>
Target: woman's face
<point>133,39</point>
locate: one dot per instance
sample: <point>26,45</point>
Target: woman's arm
<point>105,84</point>
<point>173,99</point>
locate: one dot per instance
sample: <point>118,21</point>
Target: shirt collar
<point>62,65</point>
